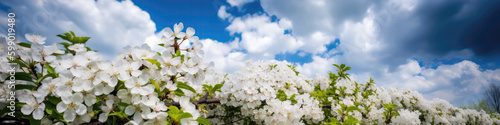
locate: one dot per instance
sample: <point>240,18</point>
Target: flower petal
<point>130,110</point>
<point>190,32</point>
<point>61,107</point>
<point>77,97</point>
<point>38,113</point>
<point>103,117</point>
<point>27,109</point>
<point>178,27</point>
<point>69,115</point>
<point>80,109</point>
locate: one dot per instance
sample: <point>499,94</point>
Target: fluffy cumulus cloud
<point>263,38</point>
<point>223,55</point>
<point>112,24</point>
<point>222,13</point>
<point>459,83</point>
<point>319,66</point>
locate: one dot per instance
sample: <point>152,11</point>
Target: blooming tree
<point>75,85</point>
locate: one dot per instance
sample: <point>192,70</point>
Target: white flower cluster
<point>82,80</point>
<point>260,82</point>
<point>406,117</point>
<point>74,85</point>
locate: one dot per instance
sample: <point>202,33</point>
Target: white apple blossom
<point>169,63</point>
<point>71,105</point>
<point>138,86</point>
<point>35,38</point>
<point>129,69</point>
<point>177,31</point>
<point>78,47</point>
<point>406,117</point>
<point>137,111</point>
<point>35,105</point>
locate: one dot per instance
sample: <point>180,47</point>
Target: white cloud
<point>301,54</point>
<point>224,56</point>
<point>459,83</point>
<point>319,65</point>
<point>239,3</point>
<point>319,22</point>
<point>262,38</point>
<point>222,13</point>
<point>111,24</point>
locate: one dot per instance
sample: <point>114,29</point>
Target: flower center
<point>69,83</point>
<point>52,87</point>
<point>71,105</point>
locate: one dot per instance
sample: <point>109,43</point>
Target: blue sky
<point>443,49</point>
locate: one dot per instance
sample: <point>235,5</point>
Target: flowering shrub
<point>75,85</point>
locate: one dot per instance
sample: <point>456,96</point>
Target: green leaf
<point>172,110</point>
<point>20,63</point>
<point>34,121</point>
<point>50,69</point>
<point>217,87</point>
<point>351,121</point>
<point>207,88</point>
<point>333,121</point>
<point>81,39</point>
<point>184,115</point>
<point>66,36</point>
<point>54,100</point>
<point>157,87</point>
<point>27,45</point>
<point>185,86</point>
<point>352,108</point>
<point>179,92</point>
<point>202,121</point>
<point>123,104</point>
<point>178,53</point>
<point>72,33</point>
<point>182,58</point>
<point>49,107</point>
<point>155,62</point>
<point>24,86</point>
<point>281,95</point>
<point>65,44</point>
<point>45,76</point>
<point>161,44</point>
<point>119,114</point>
<point>22,76</point>
<point>292,98</point>
<point>71,37</point>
